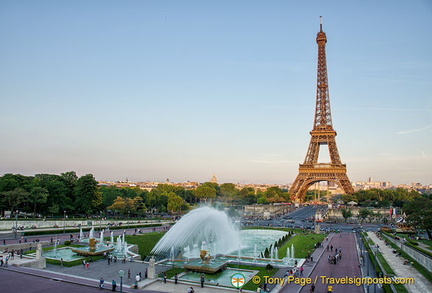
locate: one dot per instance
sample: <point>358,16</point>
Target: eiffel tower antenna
<point>311,171</point>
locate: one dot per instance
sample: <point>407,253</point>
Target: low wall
<point>24,246</point>
<point>422,258</point>
<point>27,224</point>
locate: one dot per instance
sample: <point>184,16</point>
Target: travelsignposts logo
<point>238,280</point>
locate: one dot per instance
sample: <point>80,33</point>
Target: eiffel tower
<point>322,133</point>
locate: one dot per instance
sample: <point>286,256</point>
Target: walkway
<point>308,268</point>
<point>347,266</point>
<point>403,271</point>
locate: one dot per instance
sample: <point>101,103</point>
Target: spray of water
<point>204,224</point>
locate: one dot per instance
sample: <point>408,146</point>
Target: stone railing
<point>422,258</point>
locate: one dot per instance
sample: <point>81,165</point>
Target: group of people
<point>102,282</point>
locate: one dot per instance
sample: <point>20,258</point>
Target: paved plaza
<point>78,279</point>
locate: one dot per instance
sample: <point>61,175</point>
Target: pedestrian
<point>61,262</point>
<point>128,274</point>
<point>83,263</point>
<point>114,285</point>
<point>4,241</point>
<point>164,277</point>
<point>311,258</point>
<point>331,247</point>
<point>301,271</point>
<point>137,278</point>
<point>101,283</point>
<point>312,288</point>
<point>87,265</point>
<point>202,281</point>
<point>175,278</point>
<point>146,274</point>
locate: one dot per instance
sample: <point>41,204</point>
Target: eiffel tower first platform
<point>322,133</point>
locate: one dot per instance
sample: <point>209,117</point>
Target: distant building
<point>213,179</point>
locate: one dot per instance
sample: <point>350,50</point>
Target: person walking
<point>114,285</point>
<point>164,277</point>
<point>101,283</point>
<point>312,288</point>
<point>175,278</point>
<point>202,281</point>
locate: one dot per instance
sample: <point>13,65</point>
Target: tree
<point>87,194</point>
<point>363,214</point>
<point>120,205</point>
<point>205,192</point>
<point>15,198</point>
<point>174,203</point>
<point>419,214</point>
<point>138,204</point>
<point>346,213</point>
<point>37,195</point>
<point>228,190</point>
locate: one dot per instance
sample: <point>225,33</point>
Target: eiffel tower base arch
<point>310,174</point>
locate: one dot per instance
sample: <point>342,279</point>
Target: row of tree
<point>49,194</point>
<point>381,198</point>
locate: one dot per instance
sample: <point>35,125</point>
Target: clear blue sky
<point>149,90</point>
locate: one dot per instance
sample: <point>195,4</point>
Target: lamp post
<point>128,218</point>
<point>64,222</point>
<point>16,223</point>
<point>121,274</point>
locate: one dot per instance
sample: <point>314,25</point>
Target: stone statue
<point>38,251</point>
<point>151,268</point>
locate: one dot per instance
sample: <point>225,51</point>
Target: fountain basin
<point>63,253</point>
<point>222,279</point>
<point>212,267</point>
<point>87,251</point>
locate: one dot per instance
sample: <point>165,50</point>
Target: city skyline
<point>149,90</point>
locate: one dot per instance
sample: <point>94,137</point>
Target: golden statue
<point>204,256</point>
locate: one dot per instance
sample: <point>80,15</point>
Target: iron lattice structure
<point>322,133</point>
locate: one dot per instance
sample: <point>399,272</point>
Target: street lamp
<point>128,218</point>
<point>16,223</point>
<point>121,274</point>
<point>64,222</point>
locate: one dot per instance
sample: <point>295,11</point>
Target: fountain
<point>101,239</point>
<point>172,254</point>
<point>204,224</point>
<point>81,235</point>
<point>112,238</point>
<point>93,250</point>
<point>91,233</point>
<point>55,248</point>
<point>292,252</point>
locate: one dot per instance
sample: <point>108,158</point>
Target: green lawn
<point>145,242</point>
<point>302,245</point>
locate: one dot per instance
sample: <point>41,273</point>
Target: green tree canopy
<point>419,214</point>
<point>87,194</point>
